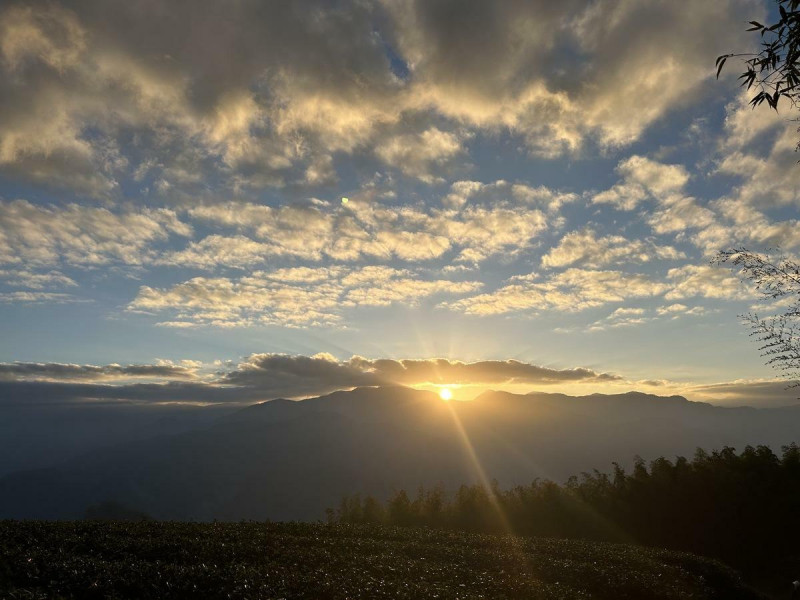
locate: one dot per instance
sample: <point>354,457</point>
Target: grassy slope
<point>291,560</point>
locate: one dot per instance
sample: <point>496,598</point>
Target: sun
<point>446,394</point>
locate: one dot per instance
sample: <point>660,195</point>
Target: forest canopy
<point>739,507</point>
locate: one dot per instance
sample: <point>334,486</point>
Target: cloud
<point>41,138</point>
<point>505,192</point>
<point>760,392</point>
<point>365,228</point>
<point>633,316</point>
<point>461,191</point>
<point>678,213</point>
<point>263,377</point>
<point>97,99</point>
<point>645,179</point>
<point>570,290</point>
<point>678,310</point>
<point>585,248</point>
<point>559,73</point>
<point>214,250</point>
<point>642,178</point>
<point>39,298</point>
<point>293,376</point>
<point>36,281</point>
<point>34,235</point>
<point>302,375</point>
<point>739,223</point>
<point>224,302</point>
<point>408,291</point>
<point>656,178</point>
<point>298,85</point>
<point>25,371</point>
<point>300,229</point>
<point>756,150</point>
<point>416,154</point>
<point>443,371</point>
<point>705,281</point>
<point>32,393</point>
<point>291,297</point>
<point>621,317</point>
<point>767,179</point>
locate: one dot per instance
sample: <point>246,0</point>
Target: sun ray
<point>478,467</point>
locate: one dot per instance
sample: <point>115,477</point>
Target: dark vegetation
<point>143,560</point>
<point>741,508</point>
<point>777,279</point>
<point>773,72</point>
<point>114,511</point>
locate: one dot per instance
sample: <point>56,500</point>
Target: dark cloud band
<point>63,371</point>
<point>265,376</point>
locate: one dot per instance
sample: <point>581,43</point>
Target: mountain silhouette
<point>286,459</point>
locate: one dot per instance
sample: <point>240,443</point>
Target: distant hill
<point>36,433</point>
<point>291,460</point>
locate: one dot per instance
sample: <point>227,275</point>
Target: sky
<point>205,201</point>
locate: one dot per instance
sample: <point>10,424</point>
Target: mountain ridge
<point>285,459</point>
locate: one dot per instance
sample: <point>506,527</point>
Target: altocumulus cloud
<point>312,78</point>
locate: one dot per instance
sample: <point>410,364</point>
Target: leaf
<point>720,63</point>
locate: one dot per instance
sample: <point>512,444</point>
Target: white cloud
<point>505,192</point>
<point>419,155</point>
<point>36,281</point>
<point>657,178</point>
<point>77,79</point>
<point>678,310</point>
<point>621,317</point>
<point>362,228</point>
<point>82,235</point>
<point>215,250</point>
<point>643,178</point>
<point>766,179</point>
<point>39,298</point>
<point>633,316</point>
<point>461,191</point>
<point>705,281</point>
<point>585,248</point>
<point>678,213</point>
<point>298,297</point>
<point>570,290</point>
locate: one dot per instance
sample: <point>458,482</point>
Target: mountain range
<point>285,459</point>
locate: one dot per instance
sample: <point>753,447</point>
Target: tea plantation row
<point>89,559</point>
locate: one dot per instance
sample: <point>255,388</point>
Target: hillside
<point>292,460</point>
<point>289,560</point>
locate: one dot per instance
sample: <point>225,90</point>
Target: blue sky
<point>524,182</point>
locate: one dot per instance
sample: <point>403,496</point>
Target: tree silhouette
<point>737,506</point>
<point>778,281</point>
<point>773,70</point>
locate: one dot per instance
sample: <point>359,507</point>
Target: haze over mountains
<point>291,460</point>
